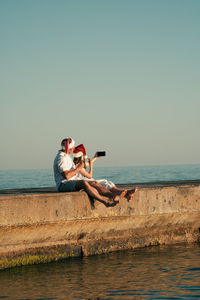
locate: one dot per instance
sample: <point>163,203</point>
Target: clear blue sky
<point>121,76</point>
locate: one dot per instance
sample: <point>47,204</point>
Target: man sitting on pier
<point>65,177</point>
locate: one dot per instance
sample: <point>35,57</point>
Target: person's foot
<point>130,193</point>
<point>112,203</point>
<point>119,196</point>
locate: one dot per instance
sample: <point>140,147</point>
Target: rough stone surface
<point>41,225</point>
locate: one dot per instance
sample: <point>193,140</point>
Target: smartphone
<point>100,153</point>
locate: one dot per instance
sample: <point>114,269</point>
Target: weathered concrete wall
<point>39,226</point>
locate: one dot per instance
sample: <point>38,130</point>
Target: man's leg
<point>91,191</point>
<point>129,194</point>
<point>107,193</point>
<point>116,190</point>
<point>67,186</point>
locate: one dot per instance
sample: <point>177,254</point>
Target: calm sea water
<point>148,273</point>
<point>10,179</point>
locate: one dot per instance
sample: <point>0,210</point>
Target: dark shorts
<point>68,186</point>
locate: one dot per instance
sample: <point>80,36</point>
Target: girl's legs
<point>99,192</point>
<point>108,193</point>
<point>91,191</point>
<point>129,194</point>
<point>115,190</point>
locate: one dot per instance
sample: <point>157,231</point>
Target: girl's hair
<point>77,160</point>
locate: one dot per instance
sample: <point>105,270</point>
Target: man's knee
<point>94,183</point>
<point>81,185</point>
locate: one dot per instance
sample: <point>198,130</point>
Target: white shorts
<point>107,184</point>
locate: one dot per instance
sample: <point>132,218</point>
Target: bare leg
<point>130,193</point>
<point>116,190</point>
<point>84,184</point>
<point>108,193</point>
<point>101,189</point>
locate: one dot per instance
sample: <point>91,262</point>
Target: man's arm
<point>69,174</point>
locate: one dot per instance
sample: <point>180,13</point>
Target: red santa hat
<point>67,144</point>
<point>80,151</point>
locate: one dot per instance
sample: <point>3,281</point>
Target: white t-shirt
<point>63,162</point>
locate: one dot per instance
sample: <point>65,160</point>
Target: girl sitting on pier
<point>80,156</point>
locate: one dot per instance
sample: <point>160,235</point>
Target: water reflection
<point>150,273</point>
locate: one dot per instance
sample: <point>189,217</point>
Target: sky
<point>116,75</point>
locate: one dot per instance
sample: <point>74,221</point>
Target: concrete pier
<point>41,225</point>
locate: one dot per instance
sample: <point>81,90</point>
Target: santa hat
<point>80,151</point>
<point>67,144</point>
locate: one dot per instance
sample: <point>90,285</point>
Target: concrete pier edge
<point>40,225</point>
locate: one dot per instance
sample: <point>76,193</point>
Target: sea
<point>156,272</point>
<point>16,179</point>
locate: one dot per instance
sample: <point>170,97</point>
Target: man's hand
<point>71,173</point>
